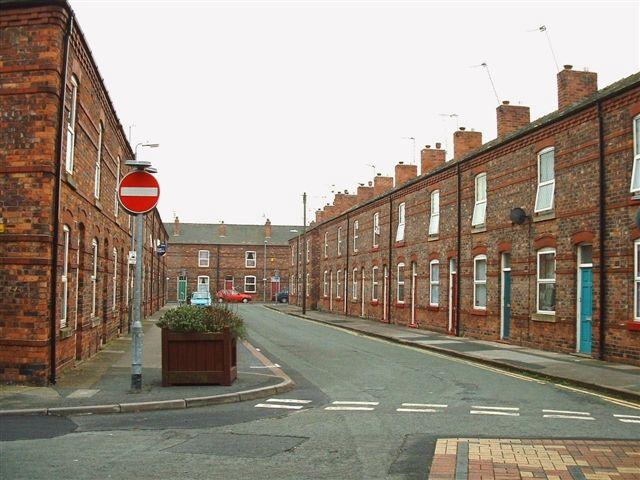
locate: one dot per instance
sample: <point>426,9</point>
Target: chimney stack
<point>267,229</point>
<point>176,227</point>
<point>222,229</point>
<point>343,202</point>
<point>574,86</point>
<point>364,193</point>
<point>404,173</point>
<point>319,216</point>
<point>382,184</point>
<point>465,141</point>
<point>329,212</point>
<point>431,158</point>
<point>511,118</point>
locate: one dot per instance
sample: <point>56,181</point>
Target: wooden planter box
<point>198,358</point>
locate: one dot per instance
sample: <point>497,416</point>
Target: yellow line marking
<point>623,403</point>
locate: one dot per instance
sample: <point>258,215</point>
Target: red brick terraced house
<point>212,257</point>
<point>531,238</point>
<point>64,238</point>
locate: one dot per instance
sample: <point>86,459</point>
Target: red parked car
<point>232,296</point>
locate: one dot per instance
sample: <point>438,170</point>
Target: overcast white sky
<point>255,102</point>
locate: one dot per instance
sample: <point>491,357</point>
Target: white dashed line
<point>493,412</point>
<point>350,408</point>
<point>339,402</point>
<point>512,409</point>
<point>287,400</point>
<point>424,405</point>
<point>274,405</point>
<point>566,412</point>
<point>627,416</point>
<point>572,417</point>
<point>420,410</point>
<point>628,420</point>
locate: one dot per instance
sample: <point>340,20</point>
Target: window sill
<point>633,326</point>
<point>65,332</point>
<point>479,229</point>
<point>400,305</point>
<point>375,303</point>
<point>97,203</point>
<point>479,313</point>
<point>399,244</point>
<point>432,308</point>
<point>433,238</point>
<point>70,180</point>
<point>544,317</point>
<point>95,322</point>
<point>374,250</point>
<point>544,216</point>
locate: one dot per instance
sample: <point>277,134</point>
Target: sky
<point>255,102</point>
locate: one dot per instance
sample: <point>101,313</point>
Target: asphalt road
<point>392,404</point>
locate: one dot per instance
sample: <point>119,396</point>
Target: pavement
<point>101,384</point>
<point>619,380</point>
<point>363,408</point>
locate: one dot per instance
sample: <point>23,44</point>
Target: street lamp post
<point>305,255</point>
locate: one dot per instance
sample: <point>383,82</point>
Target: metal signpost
<point>138,193</point>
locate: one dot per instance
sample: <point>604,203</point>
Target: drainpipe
<point>601,237</point>
<point>56,207</point>
<point>346,270</point>
<point>389,268</point>
<point>458,247</point>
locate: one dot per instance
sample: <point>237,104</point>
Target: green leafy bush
<point>211,319</point>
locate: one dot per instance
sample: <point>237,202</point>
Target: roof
<point>208,234</point>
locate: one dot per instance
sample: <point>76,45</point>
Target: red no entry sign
<point>138,192</point>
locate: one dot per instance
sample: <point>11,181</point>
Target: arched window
<point>98,175</point>
<point>94,275</point>
<point>71,125</point>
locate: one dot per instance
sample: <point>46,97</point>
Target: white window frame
<point>325,284</point>
<point>356,228</point>
<point>326,244</point>
<point>94,276</point>
<point>293,282</point>
<point>249,284</point>
<point>71,126</point>
<point>307,250</point>
<point>116,204</point>
<point>376,229</point>
<point>479,217</point>
<point>374,284</point>
<point>308,285</point>
<point>98,173</point>
<point>636,280</point>
<point>114,279</point>
<point>208,283</point>
<point>201,260</point>
<point>247,260</point>
<point>354,284</point>
<point>434,284</point>
<point>400,282</point>
<point>635,174</point>
<point>339,249</point>
<point>548,182</point>
<point>434,218</point>
<point>293,255</point>
<point>64,307</point>
<point>338,275</point>
<point>541,281</point>
<point>476,282</point>
<point>401,222</point>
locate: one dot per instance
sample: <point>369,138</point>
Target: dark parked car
<point>283,296</point>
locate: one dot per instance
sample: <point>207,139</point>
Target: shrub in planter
<point>199,345</point>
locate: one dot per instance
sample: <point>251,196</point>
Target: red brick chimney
<point>343,202</point>
<point>176,227</point>
<point>511,118</point>
<point>465,141</point>
<point>382,184</point>
<point>431,158</point>
<point>267,229</point>
<point>222,229</point>
<point>319,216</point>
<point>365,193</point>
<point>404,173</point>
<point>574,86</point>
<point>329,212</point>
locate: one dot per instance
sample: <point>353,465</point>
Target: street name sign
<point>138,192</point>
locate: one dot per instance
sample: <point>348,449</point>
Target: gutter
<point>53,331</point>
<point>601,234</point>
<point>458,247</point>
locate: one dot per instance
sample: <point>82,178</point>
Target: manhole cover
<point>238,445</point>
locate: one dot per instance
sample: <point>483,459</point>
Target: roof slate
<point>207,234</point>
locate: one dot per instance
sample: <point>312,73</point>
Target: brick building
<point>213,257</point>
<point>63,236</point>
<point>530,238</point>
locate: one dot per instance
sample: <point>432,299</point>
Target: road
<point>363,409</point>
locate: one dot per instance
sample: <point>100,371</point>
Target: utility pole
<point>136,328</point>
<point>305,256</point>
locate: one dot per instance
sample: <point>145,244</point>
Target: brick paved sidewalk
<point>513,459</point>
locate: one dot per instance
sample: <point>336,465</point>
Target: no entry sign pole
<point>138,193</point>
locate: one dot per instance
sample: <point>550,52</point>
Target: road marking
<point>624,403</point>
<point>350,408</point>
<point>287,400</point>
<point>573,417</point>
<point>82,393</point>
<point>625,416</point>
<point>568,412</point>
<point>628,420</point>
<point>425,410</point>
<point>425,405</point>
<point>265,366</point>
<point>492,412</point>
<point>273,405</point>
<point>339,402</point>
<point>514,409</point>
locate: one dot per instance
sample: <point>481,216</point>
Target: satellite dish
<point>518,215</point>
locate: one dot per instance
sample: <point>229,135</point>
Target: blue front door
<point>506,304</point>
<point>586,309</point>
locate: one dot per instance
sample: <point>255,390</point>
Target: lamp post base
<point>136,382</point>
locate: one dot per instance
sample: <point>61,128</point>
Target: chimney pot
<point>378,174</point>
<point>438,145</point>
<point>505,102</point>
<point>568,67</point>
<point>400,163</point>
<point>427,146</point>
<point>462,129</point>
